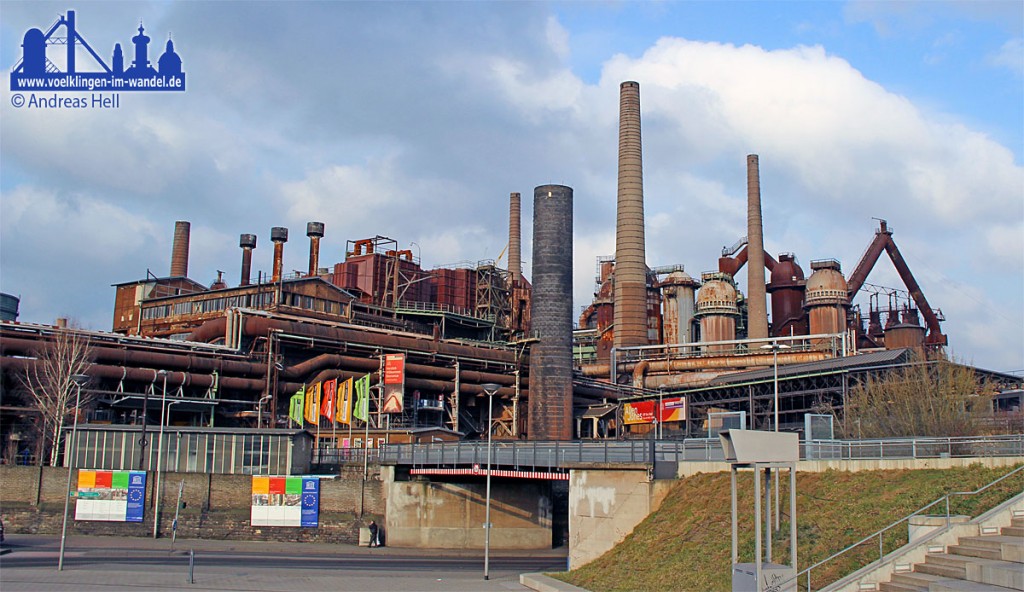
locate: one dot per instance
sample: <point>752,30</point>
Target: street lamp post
<point>490,389</point>
<point>159,455</point>
<point>79,380</point>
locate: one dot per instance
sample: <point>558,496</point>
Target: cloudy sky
<point>416,120</point>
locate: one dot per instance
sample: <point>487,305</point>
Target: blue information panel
<point>310,502</point>
<point>136,497</point>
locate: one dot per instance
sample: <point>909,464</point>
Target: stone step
<point>945,571</point>
<point>949,560</point>
<point>1014,531</point>
<point>921,580</point>
<point>964,586</point>
<point>897,587</point>
<point>1011,548</point>
<point>971,551</point>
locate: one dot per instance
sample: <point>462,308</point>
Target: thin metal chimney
<point>179,249</point>
<point>248,243</point>
<point>278,236</point>
<point>315,231</point>
<point>757,307</point>
<point>630,262</point>
<point>515,260</point>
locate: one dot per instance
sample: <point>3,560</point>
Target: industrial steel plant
<point>658,351</point>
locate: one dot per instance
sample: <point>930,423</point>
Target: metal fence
<point>561,455</point>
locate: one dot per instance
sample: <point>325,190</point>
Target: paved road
<point>107,563</point>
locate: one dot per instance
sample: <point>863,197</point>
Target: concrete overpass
<point>597,492</point>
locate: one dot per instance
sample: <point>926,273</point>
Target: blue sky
<point>416,120</point>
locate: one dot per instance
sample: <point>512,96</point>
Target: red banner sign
<point>394,383</point>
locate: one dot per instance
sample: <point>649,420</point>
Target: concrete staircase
<point>986,563</point>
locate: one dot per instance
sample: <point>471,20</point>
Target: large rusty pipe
<point>247,242</point>
<point>257,326</point>
<point>315,231</point>
<point>515,261</point>
<point>179,249</point>
<point>757,306</point>
<point>170,361</point>
<point>630,258</point>
<point>719,362</point>
<point>322,361</point>
<point>149,375</point>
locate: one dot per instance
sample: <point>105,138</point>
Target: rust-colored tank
<point>716,308</point>
<point>825,298</point>
<point>904,335</point>
<point>787,290</point>
<point>678,292</point>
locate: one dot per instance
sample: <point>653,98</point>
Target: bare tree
<point>924,399</point>
<point>49,382</point>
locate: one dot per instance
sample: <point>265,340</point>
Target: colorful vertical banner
<point>344,415</point>
<point>312,411</point>
<point>297,406</point>
<point>285,501</point>
<point>111,496</point>
<point>328,399</point>
<point>394,383</point>
<point>361,410</point>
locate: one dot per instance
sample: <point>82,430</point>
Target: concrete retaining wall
<point>605,506</point>
<point>443,515</point>
<point>218,506</point>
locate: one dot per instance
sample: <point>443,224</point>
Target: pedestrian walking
<point>374,530</point>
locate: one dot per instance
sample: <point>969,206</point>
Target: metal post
<point>757,525</point>
<point>159,457</point>
<point>735,528</point>
<point>142,438</point>
<point>768,513</point>
<point>490,389</point>
<point>79,380</point>
<point>191,565</point>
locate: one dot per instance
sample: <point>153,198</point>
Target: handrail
<point>880,533</point>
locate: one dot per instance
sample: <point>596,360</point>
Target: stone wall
<point>217,506</point>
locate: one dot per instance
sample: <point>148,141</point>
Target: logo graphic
<point>36,72</point>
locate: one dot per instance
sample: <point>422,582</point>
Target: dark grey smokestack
<point>757,306</point>
<point>248,243</point>
<point>515,261</point>
<point>179,249</point>
<point>551,311</point>
<point>315,231</point>
<point>630,261</point>
<point>278,236</point>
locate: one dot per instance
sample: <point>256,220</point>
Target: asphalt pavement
<point>123,563</point>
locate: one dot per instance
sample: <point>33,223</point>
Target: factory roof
<point>873,359</point>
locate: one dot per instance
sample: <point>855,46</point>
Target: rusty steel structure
<point>883,241</point>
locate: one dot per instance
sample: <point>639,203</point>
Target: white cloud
<point>1010,56</point>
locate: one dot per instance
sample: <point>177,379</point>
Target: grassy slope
<point>685,545</point>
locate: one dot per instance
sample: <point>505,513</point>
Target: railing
<point>880,535</point>
<point>518,455</point>
<point>562,454</point>
<point>343,456</point>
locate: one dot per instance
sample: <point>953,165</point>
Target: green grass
<point>685,544</point>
